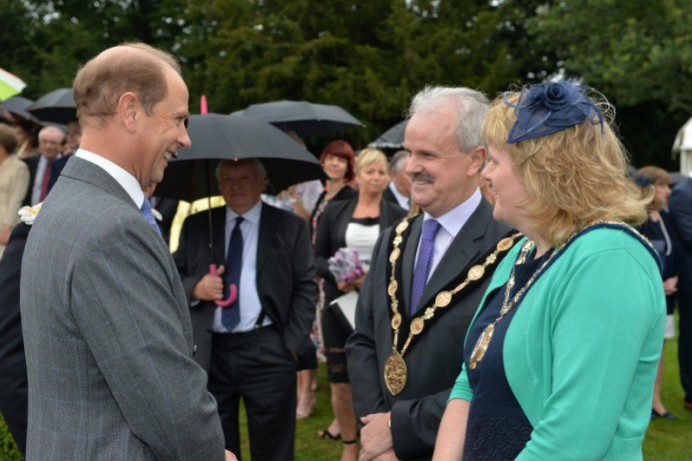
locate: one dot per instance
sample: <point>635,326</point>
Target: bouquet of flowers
<point>345,265</point>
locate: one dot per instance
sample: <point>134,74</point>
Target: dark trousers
<point>257,367</point>
<point>685,342</point>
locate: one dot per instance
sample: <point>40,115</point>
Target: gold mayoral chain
<point>395,369</point>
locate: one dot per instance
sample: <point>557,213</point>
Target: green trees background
<point>370,56</point>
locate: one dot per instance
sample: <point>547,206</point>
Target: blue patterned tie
<point>425,257</point>
<point>145,209</point>
<point>230,316</point>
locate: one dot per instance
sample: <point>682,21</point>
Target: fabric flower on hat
<point>547,108</point>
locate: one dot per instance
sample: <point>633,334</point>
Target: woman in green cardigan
<point>560,361</point>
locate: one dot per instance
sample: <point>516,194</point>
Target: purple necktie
<point>425,257</point>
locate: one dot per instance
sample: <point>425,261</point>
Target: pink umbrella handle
<point>232,289</point>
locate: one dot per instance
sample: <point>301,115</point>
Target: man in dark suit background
<point>680,205</point>
<point>13,381</point>
<point>398,191</point>
<point>41,171</point>
<point>250,346</point>
<point>435,252</point>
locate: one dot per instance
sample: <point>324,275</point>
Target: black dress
<point>497,427</point>
<point>663,237</point>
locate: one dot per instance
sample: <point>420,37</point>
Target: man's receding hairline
<point>130,49</point>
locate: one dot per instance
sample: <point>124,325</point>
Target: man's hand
<point>353,285</point>
<point>210,287</point>
<point>670,285</point>
<point>375,436</point>
<point>230,456</point>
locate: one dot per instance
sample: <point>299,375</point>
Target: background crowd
<point>297,305</point>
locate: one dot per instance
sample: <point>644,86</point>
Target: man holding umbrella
<point>249,347</point>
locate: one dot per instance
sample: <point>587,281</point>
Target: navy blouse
<point>497,427</point>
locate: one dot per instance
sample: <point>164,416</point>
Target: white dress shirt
<point>450,225</point>
<point>250,305</point>
<point>124,178</point>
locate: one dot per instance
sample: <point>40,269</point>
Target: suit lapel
<point>218,226</point>
<point>268,229</point>
<point>344,218</point>
<point>462,252</point>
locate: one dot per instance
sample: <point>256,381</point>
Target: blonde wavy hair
<point>572,178</point>
<point>368,156</point>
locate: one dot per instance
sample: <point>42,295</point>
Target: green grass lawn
<point>666,440</point>
<point>670,440</point>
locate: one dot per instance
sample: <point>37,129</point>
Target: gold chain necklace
<point>395,369</point>
<point>481,346</point>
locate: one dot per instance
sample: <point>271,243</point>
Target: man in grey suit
<point>107,331</point>
<point>406,351</point>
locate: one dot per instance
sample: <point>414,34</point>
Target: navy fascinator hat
<point>547,108</point>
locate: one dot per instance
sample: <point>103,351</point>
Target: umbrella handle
<point>232,289</point>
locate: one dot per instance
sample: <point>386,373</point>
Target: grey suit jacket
<point>435,356</point>
<point>107,333</point>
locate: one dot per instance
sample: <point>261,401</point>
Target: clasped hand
<point>210,287</point>
<point>376,438</point>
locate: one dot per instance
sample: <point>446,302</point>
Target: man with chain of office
<point>427,276</point>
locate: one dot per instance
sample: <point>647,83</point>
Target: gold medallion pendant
<point>395,373</point>
<point>481,346</point>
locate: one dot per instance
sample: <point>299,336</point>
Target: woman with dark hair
<point>561,357</point>
<point>338,161</point>
<point>354,224</point>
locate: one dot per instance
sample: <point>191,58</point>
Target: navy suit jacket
<point>13,381</point>
<point>32,163</point>
<point>285,273</point>
<point>680,206</point>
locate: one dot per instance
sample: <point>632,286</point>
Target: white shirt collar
<point>124,178</point>
<point>253,215</point>
<point>454,219</point>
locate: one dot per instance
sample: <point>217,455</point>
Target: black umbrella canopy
<point>17,106</point>
<point>393,138</point>
<point>303,117</point>
<point>217,137</point>
<point>58,106</point>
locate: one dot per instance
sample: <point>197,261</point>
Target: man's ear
<point>477,155</point>
<point>128,110</point>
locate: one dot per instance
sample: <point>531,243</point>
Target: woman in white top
<point>354,223</point>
